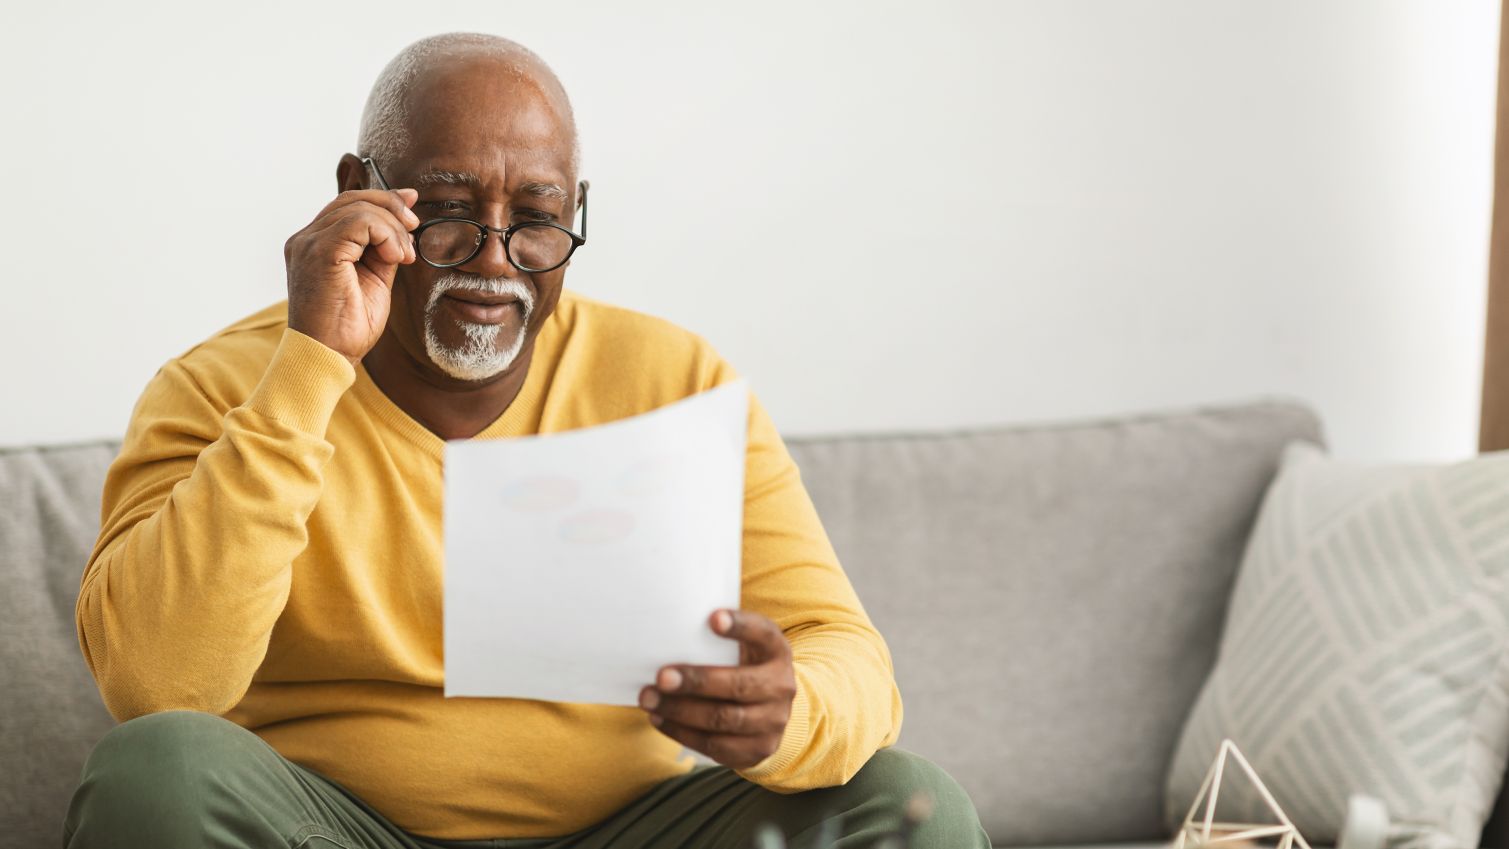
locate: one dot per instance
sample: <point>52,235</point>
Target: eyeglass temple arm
<point>381,180</point>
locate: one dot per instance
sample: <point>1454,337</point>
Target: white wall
<point>894,215</point>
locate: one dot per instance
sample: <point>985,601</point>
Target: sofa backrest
<point>50,712</point>
<point>1052,597</point>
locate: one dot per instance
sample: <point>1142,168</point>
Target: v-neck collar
<point>515,420</point>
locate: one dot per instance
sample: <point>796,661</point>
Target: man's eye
<point>533,215</point>
<point>443,207</point>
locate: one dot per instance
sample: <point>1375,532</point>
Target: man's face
<point>488,146</point>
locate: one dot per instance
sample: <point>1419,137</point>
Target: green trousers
<point>182,779</point>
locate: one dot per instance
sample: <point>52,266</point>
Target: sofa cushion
<point>1052,597</point>
<point>50,714</point>
<point>1367,650</point>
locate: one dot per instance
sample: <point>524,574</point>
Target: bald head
<point>386,129</point>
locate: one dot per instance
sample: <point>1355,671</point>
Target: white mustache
<point>490,285</point>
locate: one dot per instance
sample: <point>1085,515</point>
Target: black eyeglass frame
<point>484,231</point>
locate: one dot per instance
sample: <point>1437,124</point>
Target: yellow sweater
<point>270,551</point>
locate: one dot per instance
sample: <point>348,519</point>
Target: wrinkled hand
<point>341,268</point>
<point>733,714</point>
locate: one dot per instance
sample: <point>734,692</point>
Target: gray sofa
<point>1053,597</point>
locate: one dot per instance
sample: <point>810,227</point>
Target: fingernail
<point>649,699</point>
<point>722,621</point>
<point>670,679</point>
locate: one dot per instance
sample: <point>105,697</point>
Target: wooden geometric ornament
<point>1205,831</point>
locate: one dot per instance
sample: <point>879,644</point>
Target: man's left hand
<point>733,714</point>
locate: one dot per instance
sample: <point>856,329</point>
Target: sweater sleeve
<point>847,705</point>
<point>203,514</point>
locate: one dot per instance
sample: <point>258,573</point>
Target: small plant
<point>917,810</point>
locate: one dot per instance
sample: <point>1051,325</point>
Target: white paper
<point>578,564</point>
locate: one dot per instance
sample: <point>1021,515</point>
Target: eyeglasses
<point>532,246</point>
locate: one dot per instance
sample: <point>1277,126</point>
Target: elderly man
<point>262,610</point>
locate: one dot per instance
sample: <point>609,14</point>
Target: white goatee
<point>479,357</point>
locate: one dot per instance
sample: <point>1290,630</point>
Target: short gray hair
<point>384,133</point>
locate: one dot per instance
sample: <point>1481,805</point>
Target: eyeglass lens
<point>531,248</point>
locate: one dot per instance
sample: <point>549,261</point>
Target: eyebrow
<point>447,178</point>
<point>548,191</point>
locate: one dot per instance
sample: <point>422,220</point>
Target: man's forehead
<point>528,144</point>
<point>475,100</point>
<point>484,124</point>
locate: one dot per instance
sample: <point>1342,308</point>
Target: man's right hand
<point>341,268</point>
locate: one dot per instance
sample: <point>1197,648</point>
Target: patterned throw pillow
<point>1366,650</point>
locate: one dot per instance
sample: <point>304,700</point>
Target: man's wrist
<point>303,383</point>
<point>305,329</point>
<point>793,740</point>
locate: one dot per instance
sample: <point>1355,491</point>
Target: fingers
<point>766,674</point>
<point>771,681</point>
<point>762,639</point>
<point>396,202</point>
<point>354,218</point>
<point>735,752</point>
<point>392,244</point>
<point>360,225</point>
<point>717,715</point>
<point>735,715</point>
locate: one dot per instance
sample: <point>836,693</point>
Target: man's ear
<point>350,174</point>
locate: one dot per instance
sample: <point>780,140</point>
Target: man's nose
<point>492,260</point>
